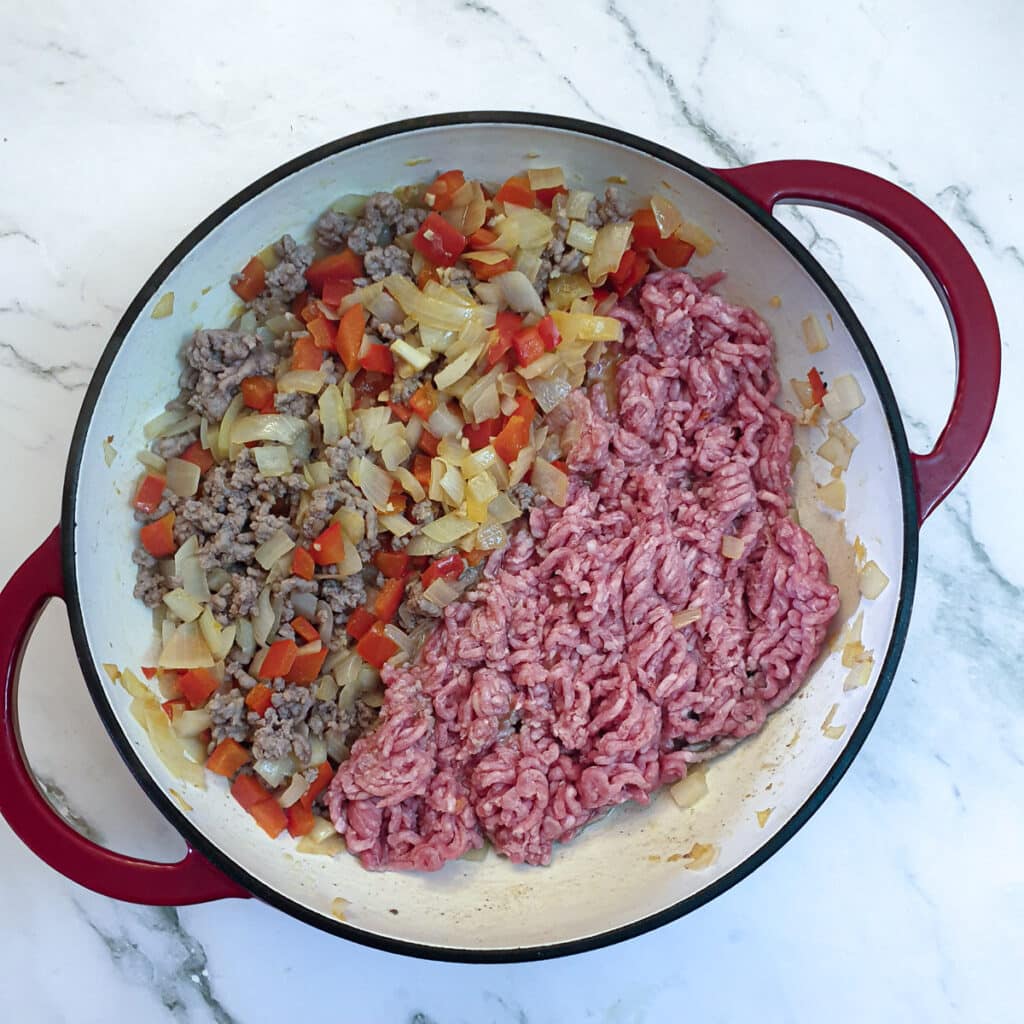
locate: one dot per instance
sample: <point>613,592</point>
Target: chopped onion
<point>183,605</point>
<point>804,395</point>
<point>218,638</point>
<point>581,236</point>
<point>479,461</point>
<point>445,421</point>
<point>578,203</point>
<point>263,618</point>
<point>352,204</point>
<point>396,523</point>
<point>469,208</point>
<point>394,453</point>
<point>279,326</point>
<point>164,306</point>
<point>872,581</point>
<point>372,420</point>
<point>353,523</point>
<point>296,788</point>
<point>481,399</point>
<point>688,791</point>
<point>273,460</point>
<point>227,425</point>
<point>666,215</point>
<point>449,528</point>
<point>525,229</point>
<point>374,482</point>
<point>273,771</point>
<point>185,649</point>
<point>268,427</point>
<point>487,257</point>
<point>843,397</point>
<point>169,747</point>
<point>442,592</point>
<point>586,327</point>
<point>833,732</point>
<point>565,289</point>
<point>413,432</point>
<point>528,263</point>
<point>188,723</point>
<point>317,474</point>
<point>418,358</point>
<point>411,485</point>
<point>425,309</point>
<point>550,481</point>
<point>550,392</point>
<point>814,335</point>
<point>519,293</point>
<point>327,688</point>
<point>732,547</point>
<point>860,674</point>
<point>304,603</point>
<point>152,461</point>
<point>159,425</point>
<point>612,241</point>
<point>421,544</point>
<point>701,241</point>
<point>686,617</point>
<point>329,846</point>
<point>545,177</point>
<point>385,308</point>
<point>246,640</point>
<point>109,451</point>
<point>504,509</point>
<point>308,382</point>
<point>491,536</point>
<point>833,495</point>
<point>453,486</point>
<point>399,637</point>
<point>436,340</point>
<point>459,367</point>
<point>273,548</point>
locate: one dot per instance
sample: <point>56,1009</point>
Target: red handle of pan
<point>930,242</point>
<point>192,880</point>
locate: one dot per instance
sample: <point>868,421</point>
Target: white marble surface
<point>903,897</point>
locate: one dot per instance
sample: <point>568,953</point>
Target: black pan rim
<point>847,752</point>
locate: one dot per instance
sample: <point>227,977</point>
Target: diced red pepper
<point>300,302</point>
<point>258,393</point>
<point>150,492</point>
<point>359,623</point>
<point>525,408</point>
<point>646,234</point>
<point>342,265</point>
<point>561,466</point>
<point>450,567</point>
<point>329,547</point>
<point>305,629</point>
<point>378,359</point>
<point>546,196</point>
<point>429,444</point>
<point>300,820</point>
<point>258,699</point>
<point>486,271</point>
<point>386,604</point>
<point>818,387</point>
<point>310,312</point>
<point>507,325</point>
<point>393,564</point>
<point>335,290</point>
<point>529,345</point>
<point>303,564</point>
<point>370,385</point>
<point>324,333</point>
<point>423,401</point>
<point>514,437</point>
<point>306,666</point>
<point>318,785</point>
<point>197,686</point>
<point>306,355</point>
<point>198,456</point>
<point>158,538</point>
<point>149,673</point>
<point>249,791</point>
<point>228,756</point>
<point>375,647</point>
<point>251,280</point>
<point>482,238</point>
<point>401,412</point>
<point>439,195</point>
<point>170,706</point>
<point>351,328</point>
<point>270,817</point>
<point>439,241</point>
<point>516,191</point>
<point>279,659</point>
<point>549,333</point>
<point>630,272</point>
<point>479,434</point>
<point>674,252</point>
<point>421,470</point>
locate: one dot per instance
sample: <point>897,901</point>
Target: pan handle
<point>192,880</point>
<point>927,239</point>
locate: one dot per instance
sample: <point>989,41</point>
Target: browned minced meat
<point>382,261</point>
<point>286,280</point>
<point>172,447</point>
<point>384,218</point>
<point>218,362</point>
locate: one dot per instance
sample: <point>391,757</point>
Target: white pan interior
<point>626,867</point>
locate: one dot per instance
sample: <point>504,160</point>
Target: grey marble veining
<point>122,126</point>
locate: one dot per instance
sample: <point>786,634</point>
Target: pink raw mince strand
<point>560,687</point>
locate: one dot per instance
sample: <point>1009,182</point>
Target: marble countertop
<point>903,898</point>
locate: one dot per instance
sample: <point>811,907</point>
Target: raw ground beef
<point>560,687</point>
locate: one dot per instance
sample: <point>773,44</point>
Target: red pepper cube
<point>439,241</point>
<point>376,646</point>
<point>249,791</point>
<point>278,660</point>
